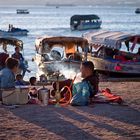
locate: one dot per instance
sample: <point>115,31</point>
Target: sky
<point>70,2</point>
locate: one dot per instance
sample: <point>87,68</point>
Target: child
<point>33,92</point>
<point>19,80</point>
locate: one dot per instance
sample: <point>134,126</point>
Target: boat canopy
<point>22,10</point>
<point>61,40</point>
<point>83,17</point>
<point>111,39</point>
<point>4,41</point>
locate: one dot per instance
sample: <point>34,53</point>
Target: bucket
<point>44,96</point>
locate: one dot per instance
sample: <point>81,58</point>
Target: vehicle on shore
<point>113,54</point>
<point>61,53</point>
<point>13,31</point>
<point>137,11</point>
<point>23,11</point>
<point>85,22</point>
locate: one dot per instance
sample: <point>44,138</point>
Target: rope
<point>64,102</point>
<point>70,93</point>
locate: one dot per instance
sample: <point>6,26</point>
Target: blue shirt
<point>19,83</point>
<point>7,78</point>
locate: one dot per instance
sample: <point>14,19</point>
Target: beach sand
<point>98,121</point>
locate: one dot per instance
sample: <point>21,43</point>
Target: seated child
<point>33,92</point>
<point>19,80</point>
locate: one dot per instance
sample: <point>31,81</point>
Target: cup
<point>44,96</point>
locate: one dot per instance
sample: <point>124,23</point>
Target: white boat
<point>60,53</point>
<point>85,22</point>
<point>22,11</point>
<point>112,52</point>
<point>5,46</point>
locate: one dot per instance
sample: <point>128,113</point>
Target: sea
<point>55,21</point>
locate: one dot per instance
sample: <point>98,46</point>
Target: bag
<point>15,96</point>
<point>81,93</point>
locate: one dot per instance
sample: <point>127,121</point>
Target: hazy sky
<point>74,2</point>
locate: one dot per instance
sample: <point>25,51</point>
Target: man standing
<point>17,55</point>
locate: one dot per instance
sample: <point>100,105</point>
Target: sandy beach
<point>98,121</point>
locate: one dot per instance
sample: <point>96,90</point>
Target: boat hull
<point>137,11</point>
<point>108,67</point>
<point>15,33</point>
<point>86,27</point>
<point>22,12</point>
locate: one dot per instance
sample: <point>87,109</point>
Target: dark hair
<point>19,76</point>
<point>11,63</point>
<point>88,64</point>
<point>16,48</point>
<point>32,80</point>
<point>138,51</point>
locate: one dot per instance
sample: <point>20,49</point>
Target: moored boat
<point>84,22</point>
<point>5,48</point>
<point>63,54</point>
<point>13,31</point>
<point>113,52</point>
<point>137,11</point>
<point>22,11</point>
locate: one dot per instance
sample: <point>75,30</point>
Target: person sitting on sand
<point>84,91</point>
<point>33,92</point>
<point>7,75</point>
<point>19,80</point>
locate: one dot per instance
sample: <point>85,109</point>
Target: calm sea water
<point>55,21</point>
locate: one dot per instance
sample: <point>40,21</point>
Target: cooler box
<point>17,96</point>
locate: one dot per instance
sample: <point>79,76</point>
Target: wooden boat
<point>22,11</point>
<point>84,22</point>
<point>137,11</point>
<point>63,54</point>
<point>6,49</point>
<point>112,52</point>
<point>12,31</point>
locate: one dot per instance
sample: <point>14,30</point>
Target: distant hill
<point>95,2</point>
<point>71,2</point>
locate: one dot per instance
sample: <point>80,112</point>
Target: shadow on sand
<point>101,121</point>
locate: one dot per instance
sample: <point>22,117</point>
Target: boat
<point>13,31</point>
<point>137,11</point>
<point>5,43</point>
<point>60,53</point>
<point>23,11</point>
<point>84,22</point>
<point>112,53</point>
